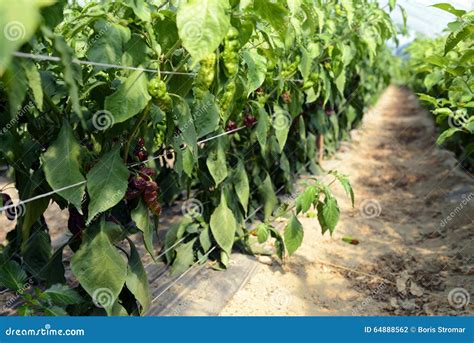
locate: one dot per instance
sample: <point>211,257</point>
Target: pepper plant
<point>115,109</point>
<point>442,73</point>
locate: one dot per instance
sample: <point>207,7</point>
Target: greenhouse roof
<point>424,19</point>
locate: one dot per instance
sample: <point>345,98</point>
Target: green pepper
<point>227,99</point>
<point>230,54</point>
<point>159,93</point>
<point>205,75</point>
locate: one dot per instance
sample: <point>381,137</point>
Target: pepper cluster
<point>140,151</point>
<point>227,99</point>
<point>205,76</point>
<point>313,79</point>
<point>159,93</point>
<point>143,185</point>
<point>160,134</point>
<point>290,69</point>
<point>230,55</point>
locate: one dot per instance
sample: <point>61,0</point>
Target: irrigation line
<point>97,64</point>
<point>198,142</point>
<point>22,202</point>
<point>183,274</point>
<point>41,196</point>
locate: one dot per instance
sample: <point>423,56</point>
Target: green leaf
<point>216,162</point>
<point>71,75</point>
<point>12,276</point>
<point>223,226</point>
<point>268,196</point>
<point>293,235</point>
<point>281,123</point>
<point>33,211</point>
<point>188,161</point>
<point>140,8</point>
<point>137,281</point>
<point>455,37</point>
<point>16,85</point>
<point>279,243</point>
<point>241,184</point>
<point>107,183</point>
<point>202,25</point>
<point>274,13</point>
<point>99,267</point>
<point>141,217</point>
<point>446,134</point>
<point>428,98</point>
<point>136,51</point>
<point>184,257</point>
<point>62,295</point>
<point>62,165</point>
<point>391,4</point>
<point>109,46</point>
<point>206,115</point>
<point>344,181</point>
<point>188,135</point>
<point>263,125</point>
<point>341,82</point>
<point>437,60</point>
<point>405,18</point>
<point>304,201</point>
<point>34,81</point>
<point>37,252</point>
<point>349,7</point>
<point>328,214</point>
<point>205,239</point>
<point>130,98</point>
<point>18,22</point>
<point>257,68</point>
<point>55,311</point>
<point>450,9</point>
<point>443,111</point>
<point>54,270</point>
<point>262,233</point>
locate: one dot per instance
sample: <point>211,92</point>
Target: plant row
<point>442,71</point>
<point>266,84</point>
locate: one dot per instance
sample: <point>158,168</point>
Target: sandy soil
<point>411,259</point>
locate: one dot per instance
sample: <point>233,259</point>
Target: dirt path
<point>411,260</point>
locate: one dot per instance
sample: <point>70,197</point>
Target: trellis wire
<point>96,64</point>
